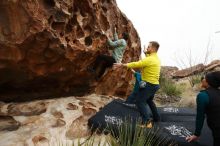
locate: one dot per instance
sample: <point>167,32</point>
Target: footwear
<point>148,125</point>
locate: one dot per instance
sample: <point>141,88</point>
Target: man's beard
<point>146,52</point>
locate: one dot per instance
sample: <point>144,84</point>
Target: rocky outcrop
<point>213,66</point>
<point>168,71</point>
<point>189,71</point>
<point>64,120</point>
<point>197,69</point>
<point>46,45</point>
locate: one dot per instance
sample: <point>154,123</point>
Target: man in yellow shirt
<point>150,73</point>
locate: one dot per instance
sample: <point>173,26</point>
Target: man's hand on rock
<point>117,65</point>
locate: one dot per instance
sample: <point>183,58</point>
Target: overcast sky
<point>182,27</point>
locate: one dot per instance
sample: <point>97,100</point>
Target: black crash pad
<point>176,123</point>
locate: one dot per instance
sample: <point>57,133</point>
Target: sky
<point>188,31</point>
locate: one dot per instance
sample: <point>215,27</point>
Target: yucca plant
<point>129,133</point>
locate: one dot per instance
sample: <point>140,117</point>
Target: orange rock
<point>45,48</point>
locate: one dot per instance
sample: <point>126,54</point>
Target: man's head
<point>152,47</point>
<point>211,79</point>
<point>125,35</point>
<point>204,83</point>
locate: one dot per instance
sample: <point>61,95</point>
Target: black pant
<point>105,61</point>
<point>215,134</point>
<point>216,141</point>
<point>145,96</point>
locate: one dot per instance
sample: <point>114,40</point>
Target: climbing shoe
<point>148,125</point>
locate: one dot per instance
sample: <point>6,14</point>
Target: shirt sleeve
<point>115,36</point>
<point>139,64</point>
<point>202,101</point>
<point>116,43</point>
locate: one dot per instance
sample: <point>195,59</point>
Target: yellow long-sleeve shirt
<point>150,68</point>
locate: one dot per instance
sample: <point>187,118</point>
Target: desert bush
<point>195,79</point>
<point>169,87</point>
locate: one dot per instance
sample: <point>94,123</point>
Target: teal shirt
<point>118,46</point>
<point>137,76</point>
<point>202,101</point>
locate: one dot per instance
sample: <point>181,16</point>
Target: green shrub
<point>195,79</point>
<point>169,87</point>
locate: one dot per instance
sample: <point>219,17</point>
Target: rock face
<point>168,71</point>
<point>197,69</point>
<point>57,122</point>
<point>213,66</point>
<point>189,71</point>
<point>46,45</point>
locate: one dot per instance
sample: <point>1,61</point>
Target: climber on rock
<point>104,61</point>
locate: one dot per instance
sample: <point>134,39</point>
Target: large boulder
<point>196,69</point>
<point>46,46</point>
<point>189,71</point>
<point>213,66</point>
<point>168,71</point>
